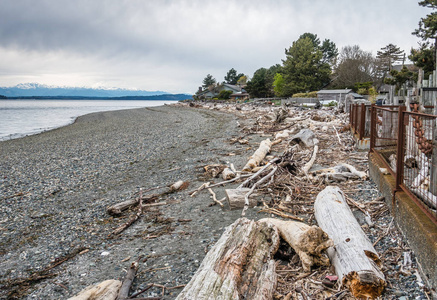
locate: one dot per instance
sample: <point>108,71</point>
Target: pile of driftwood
<point>289,178</point>
<point>287,258</point>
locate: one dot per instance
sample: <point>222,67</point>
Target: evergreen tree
<point>389,55</point>
<point>304,68</point>
<point>232,76</point>
<point>208,81</point>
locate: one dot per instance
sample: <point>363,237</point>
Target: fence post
<point>362,121</point>
<point>372,127</point>
<point>356,119</point>
<point>401,147</point>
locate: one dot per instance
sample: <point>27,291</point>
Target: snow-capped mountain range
<point>41,90</point>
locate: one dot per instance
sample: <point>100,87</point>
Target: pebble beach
<point>55,188</point>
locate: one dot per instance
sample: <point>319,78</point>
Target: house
<point>213,92</point>
<point>239,96</point>
<point>332,95</point>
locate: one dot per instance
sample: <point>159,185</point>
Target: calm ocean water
<point>19,118</point>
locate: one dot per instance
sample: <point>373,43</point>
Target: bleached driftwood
<point>106,290</point>
<point>340,172</point>
<point>309,242</point>
<point>283,134</point>
<point>228,174</point>
<point>262,180</point>
<point>236,198</point>
<point>310,163</point>
<point>177,186</point>
<point>258,156</point>
<point>305,138</point>
<point>239,266</point>
<point>118,208</point>
<point>356,262</point>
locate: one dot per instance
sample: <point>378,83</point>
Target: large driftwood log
<point>106,290</point>
<point>308,241</point>
<point>353,256</point>
<point>258,156</point>
<point>239,266</point>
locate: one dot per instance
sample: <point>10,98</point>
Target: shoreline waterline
<point>21,118</point>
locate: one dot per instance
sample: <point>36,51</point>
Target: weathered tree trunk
<point>239,266</point>
<point>106,290</point>
<point>308,241</point>
<point>353,256</point>
<point>236,198</point>
<point>258,156</point>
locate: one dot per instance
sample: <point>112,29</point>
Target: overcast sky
<point>171,45</point>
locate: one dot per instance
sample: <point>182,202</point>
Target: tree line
<point>311,65</point>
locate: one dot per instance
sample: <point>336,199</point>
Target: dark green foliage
<point>224,95</point>
<point>232,76</point>
<point>427,30</point>
<point>423,58</point>
<point>261,84</point>
<point>362,85</point>
<point>400,77</point>
<point>304,68</point>
<point>389,55</point>
<point>208,81</point>
<point>3,97</point>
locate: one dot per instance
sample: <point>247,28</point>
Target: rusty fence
<point>359,119</point>
<point>406,143</point>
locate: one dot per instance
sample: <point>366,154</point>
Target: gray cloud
<point>171,45</point>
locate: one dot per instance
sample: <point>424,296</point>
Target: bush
<point>305,95</point>
<point>224,95</point>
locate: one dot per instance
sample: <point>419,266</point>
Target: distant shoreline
<point>175,97</point>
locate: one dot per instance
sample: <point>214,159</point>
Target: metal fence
<point>359,118</point>
<point>406,142</point>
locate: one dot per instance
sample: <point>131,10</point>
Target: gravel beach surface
<point>55,188</point>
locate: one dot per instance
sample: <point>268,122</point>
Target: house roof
<point>356,95</point>
<point>345,91</point>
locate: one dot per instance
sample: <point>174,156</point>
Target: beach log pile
<point>241,264</point>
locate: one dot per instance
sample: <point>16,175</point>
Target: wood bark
<point>106,290</point>
<point>355,260</point>
<point>309,242</point>
<point>123,293</point>
<point>236,198</point>
<point>239,266</point>
<point>258,156</point>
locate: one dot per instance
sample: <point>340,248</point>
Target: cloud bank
<point>172,45</point>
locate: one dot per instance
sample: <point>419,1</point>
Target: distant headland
<point>41,91</point>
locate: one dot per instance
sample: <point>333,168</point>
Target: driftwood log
<point>355,260</point>
<point>341,172</point>
<point>239,266</point>
<point>309,242</point>
<point>236,198</point>
<point>258,156</point>
<point>106,290</point>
